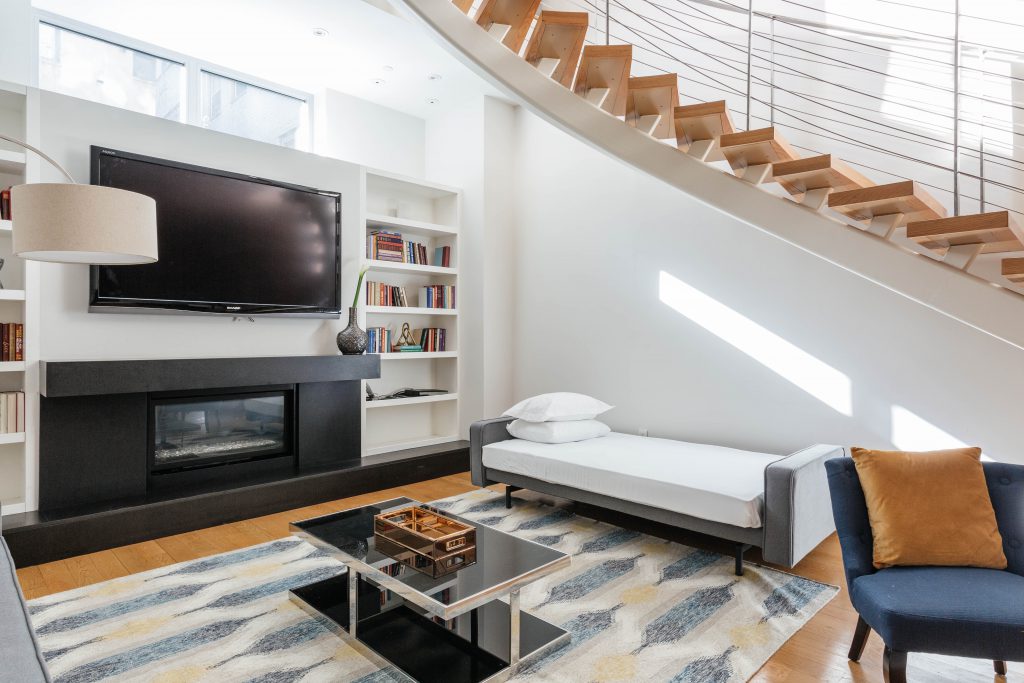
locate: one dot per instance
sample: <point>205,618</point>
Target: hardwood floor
<point>816,653</point>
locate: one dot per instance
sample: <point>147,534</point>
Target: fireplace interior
<point>195,431</point>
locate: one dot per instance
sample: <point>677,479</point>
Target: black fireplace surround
<point>121,430</point>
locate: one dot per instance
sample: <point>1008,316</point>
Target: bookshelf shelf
<point>374,220</point>
<point>19,458</point>
<point>395,267</point>
<point>13,437</point>
<point>12,162</point>
<point>418,355</point>
<point>418,400</point>
<point>389,446</point>
<point>431,216</point>
<point>409,310</point>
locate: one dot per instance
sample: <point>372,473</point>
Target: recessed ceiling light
<point>388,67</point>
<point>321,32</point>
<point>379,81</point>
<point>434,77</point>
<point>432,100</point>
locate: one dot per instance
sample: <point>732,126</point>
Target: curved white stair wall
<point>970,300</point>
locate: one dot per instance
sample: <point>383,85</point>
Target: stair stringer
<point>968,299</point>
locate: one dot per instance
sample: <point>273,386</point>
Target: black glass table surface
<point>503,561</point>
<point>450,629</point>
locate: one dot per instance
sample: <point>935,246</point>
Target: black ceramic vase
<point>352,340</point>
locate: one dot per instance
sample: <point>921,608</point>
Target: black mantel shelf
<point>60,379</point>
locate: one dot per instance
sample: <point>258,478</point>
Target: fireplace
<point>120,432</point>
<point>210,429</point>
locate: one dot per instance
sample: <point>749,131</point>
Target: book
<point>19,342</point>
<point>5,204</point>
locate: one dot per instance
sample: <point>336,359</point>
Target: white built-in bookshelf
<point>19,303</point>
<point>430,214</point>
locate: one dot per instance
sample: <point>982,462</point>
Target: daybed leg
<point>1000,667</point>
<point>860,639</point>
<point>509,490</point>
<point>740,549</point>
<point>894,666</point>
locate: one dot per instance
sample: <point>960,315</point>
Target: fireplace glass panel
<point>219,428</point>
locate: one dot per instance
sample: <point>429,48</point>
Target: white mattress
<point>710,482</point>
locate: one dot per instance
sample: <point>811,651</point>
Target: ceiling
<point>368,52</point>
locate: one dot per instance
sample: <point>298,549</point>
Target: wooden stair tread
<point>518,14</point>
<point>755,147</point>
<point>906,197</point>
<point>558,35</point>
<point>995,230</point>
<point>1013,269</point>
<point>817,173</point>
<point>606,66</point>
<point>704,121</point>
<point>653,96</point>
<point>463,5</point>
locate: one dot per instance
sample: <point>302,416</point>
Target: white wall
<point>593,238</point>
<point>68,127</point>
<point>472,148</point>
<point>366,133</point>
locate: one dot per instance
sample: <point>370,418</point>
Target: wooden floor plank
<point>816,653</point>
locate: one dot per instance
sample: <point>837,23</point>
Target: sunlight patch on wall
<point>911,432</point>
<point>790,362</point>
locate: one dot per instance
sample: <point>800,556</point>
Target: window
<point>76,64</point>
<point>177,88</point>
<point>253,112</point>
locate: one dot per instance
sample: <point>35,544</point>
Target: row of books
<point>378,340</point>
<point>382,294</point>
<point>384,245</point>
<point>437,296</point>
<point>432,339</point>
<point>382,340</point>
<point>12,337</point>
<point>5,204</point>
<point>12,412</point>
<point>431,296</point>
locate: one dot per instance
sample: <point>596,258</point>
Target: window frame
<point>193,71</point>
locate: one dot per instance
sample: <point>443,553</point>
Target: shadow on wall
<point>908,431</point>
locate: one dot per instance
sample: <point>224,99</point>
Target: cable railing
<point>943,108</point>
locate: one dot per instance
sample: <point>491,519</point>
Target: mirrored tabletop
<point>503,562</point>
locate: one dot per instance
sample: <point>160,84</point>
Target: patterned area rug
<point>639,609</point>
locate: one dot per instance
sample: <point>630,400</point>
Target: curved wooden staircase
<point>600,74</point>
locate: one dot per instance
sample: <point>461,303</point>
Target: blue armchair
<point>960,611</point>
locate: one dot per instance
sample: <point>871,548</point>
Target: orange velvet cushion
<point>929,508</point>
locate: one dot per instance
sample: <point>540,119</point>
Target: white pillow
<point>557,432</point>
<point>558,407</point>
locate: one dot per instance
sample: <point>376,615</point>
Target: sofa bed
<point>779,503</point>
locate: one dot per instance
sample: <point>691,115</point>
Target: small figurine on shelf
<point>1,268</point>
<point>406,343</point>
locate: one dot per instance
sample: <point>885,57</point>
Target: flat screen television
<point>228,243</point>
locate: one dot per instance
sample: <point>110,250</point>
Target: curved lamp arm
<point>42,154</point>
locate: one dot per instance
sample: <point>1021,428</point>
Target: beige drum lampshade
<point>69,223</point>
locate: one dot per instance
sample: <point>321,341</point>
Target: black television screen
<point>228,243</point>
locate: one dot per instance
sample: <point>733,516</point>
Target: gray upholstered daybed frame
<point>797,508</point>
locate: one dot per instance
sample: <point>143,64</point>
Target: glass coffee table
<point>454,628</point>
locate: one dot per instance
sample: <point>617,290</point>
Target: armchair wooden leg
<point>1000,667</point>
<point>860,639</point>
<point>894,666</point>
